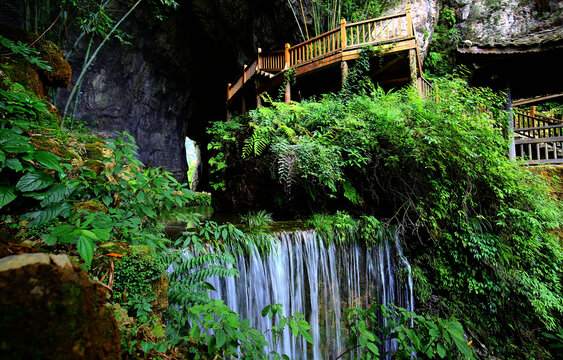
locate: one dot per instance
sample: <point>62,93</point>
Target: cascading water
<point>319,280</point>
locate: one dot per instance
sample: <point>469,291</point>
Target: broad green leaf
<point>55,194</point>
<point>16,144</point>
<point>14,164</point>
<point>2,157</point>
<point>32,181</point>
<point>441,350</point>
<point>266,310</point>
<point>49,160</point>
<point>102,234</point>
<point>85,248</point>
<point>220,337</point>
<point>7,195</point>
<point>62,234</point>
<point>373,348</point>
<point>307,336</point>
<point>107,200</point>
<point>89,234</point>
<point>47,214</point>
<point>195,332</point>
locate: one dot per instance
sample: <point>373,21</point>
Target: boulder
<point>51,310</point>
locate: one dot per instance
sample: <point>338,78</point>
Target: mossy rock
<point>52,145</point>
<point>54,312</point>
<point>95,165</point>
<point>91,206</point>
<point>26,75</point>
<point>95,150</point>
<point>61,72</point>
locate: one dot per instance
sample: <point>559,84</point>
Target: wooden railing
<point>426,88</point>
<point>525,120</point>
<point>346,37</point>
<point>541,150</point>
<point>543,137</point>
<point>373,31</point>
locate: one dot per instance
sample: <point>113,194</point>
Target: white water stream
<point>318,280</point>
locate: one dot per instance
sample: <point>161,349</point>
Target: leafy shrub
<point>482,230</point>
<point>416,336</point>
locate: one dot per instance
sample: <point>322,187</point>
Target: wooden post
<point>228,98</point>
<point>412,65</point>
<point>258,98</point>
<point>532,111</point>
<point>259,63</point>
<point>343,34</point>
<point>287,97</point>
<point>512,146</point>
<point>410,31</point>
<point>286,56</point>
<point>243,105</point>
<point>243,74</point>
<point>343,72</point>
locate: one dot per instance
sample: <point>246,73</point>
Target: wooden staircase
<point>390,34</point>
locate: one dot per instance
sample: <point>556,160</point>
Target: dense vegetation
<point>481,231</point>
<point>483,234</point>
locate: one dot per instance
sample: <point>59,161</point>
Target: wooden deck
<point>390,34</point>
<point>538,138</point>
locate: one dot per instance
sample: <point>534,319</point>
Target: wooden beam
<point>535,99</point>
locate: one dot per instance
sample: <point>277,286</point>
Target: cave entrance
<point>193,159</point>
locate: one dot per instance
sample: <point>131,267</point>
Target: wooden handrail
<point>371,31</point>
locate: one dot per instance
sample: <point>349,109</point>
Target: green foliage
<point>327,13</point>
<point>28,53</point>
<point>555,340</point>
<point>482,228</point>
<point>233,337</point>
<point>133,276</point>
<point>441,60</point>
<point>257,219</point>
<point>426,337</point>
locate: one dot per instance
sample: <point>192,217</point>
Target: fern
<point>286,164</point>
<point>258,142</point>
<point>188,278</point>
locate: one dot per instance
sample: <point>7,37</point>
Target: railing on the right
<point>545,146</point>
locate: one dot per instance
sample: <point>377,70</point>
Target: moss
<point>95,150</point>
<point>91,206</point>
<point>24,74</point>
<point>95,165</point>
<point>53,145</point>
<point>61,72</point>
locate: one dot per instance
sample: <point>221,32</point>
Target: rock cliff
<point>171,81</point>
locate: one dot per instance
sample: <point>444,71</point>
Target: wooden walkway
<point>390,34</point>
<point>538,139</point>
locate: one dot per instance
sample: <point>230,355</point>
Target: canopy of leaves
<point>481,226</point>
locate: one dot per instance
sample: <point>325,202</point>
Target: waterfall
<point>319,280</point>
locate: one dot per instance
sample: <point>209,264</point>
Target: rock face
<point>491,22</point>
<point>171,82</point>
<point>424,17</point>
<point>51,310</point>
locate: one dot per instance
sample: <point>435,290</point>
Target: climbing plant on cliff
<point>482,229</point>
